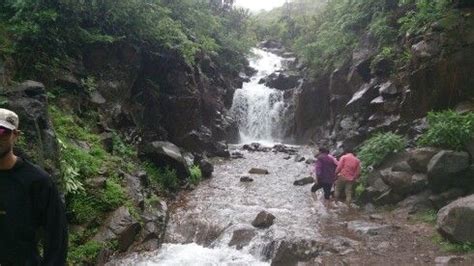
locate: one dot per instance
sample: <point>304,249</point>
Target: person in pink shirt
<point>347,172</point>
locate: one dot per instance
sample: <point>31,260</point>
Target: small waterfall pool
<point>258,108</point>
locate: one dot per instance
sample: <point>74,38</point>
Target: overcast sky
<point>256,5</point>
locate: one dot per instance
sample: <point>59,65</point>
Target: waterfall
<point>258,108</point>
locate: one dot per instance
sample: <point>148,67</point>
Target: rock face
<point>121,226</point>
<point>164,154</point>
<point>456,219</point>
<point>445,167</point>
<point>242,237</point>
<point>29,101</point>
<point>263,220</point>
<point>304,181</point>
<point>419,158</point>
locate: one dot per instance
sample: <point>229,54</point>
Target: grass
<point>428,216</point>
<point>447,246</point>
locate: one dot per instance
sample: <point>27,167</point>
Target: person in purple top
<point>325,169</point>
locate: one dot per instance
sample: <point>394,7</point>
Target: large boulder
<point>29,101</point>
<point>164,154</point>
<point>419,158</point>
<point>154,218</point>
<point>445,167</point>
<point>282,81</point>
<point>242,237</point>
<point>120,226</point>
<point>455,221</point>
<point>263,220</point>
<point>440,200</point>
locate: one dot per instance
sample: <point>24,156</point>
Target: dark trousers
<point>326,187</point>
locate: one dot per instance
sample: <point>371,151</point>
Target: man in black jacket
<point>29,206</point>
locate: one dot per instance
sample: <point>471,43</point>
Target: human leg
<point>348,191</point>
<point>316,187</point>
<point>339,189</point>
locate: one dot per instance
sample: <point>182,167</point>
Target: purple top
<point>325,168</point>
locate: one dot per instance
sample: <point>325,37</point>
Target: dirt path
<point>380,238</point>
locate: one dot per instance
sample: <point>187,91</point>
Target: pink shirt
<point>348,167</point>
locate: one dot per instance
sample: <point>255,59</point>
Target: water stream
<point>204,222</point>
<point>258,108</point>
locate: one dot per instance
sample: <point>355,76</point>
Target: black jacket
<point>30,203</point>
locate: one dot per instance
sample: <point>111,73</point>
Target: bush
<point>112,197</point>
<point>448,130</point>
<point>165,178</point>
<point>425,13</point>
<point>196,175</point>
<point>84,254</point>
<point>374,150</point>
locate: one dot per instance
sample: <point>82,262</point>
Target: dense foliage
<point>449,130</point>
<point>41,35</point>
<point>324,33</point>
<point>374,151</point>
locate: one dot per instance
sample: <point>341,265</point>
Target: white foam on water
<point>191,255</point>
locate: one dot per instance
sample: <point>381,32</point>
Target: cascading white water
<point>258,108</point>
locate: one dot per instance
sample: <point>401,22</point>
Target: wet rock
<point>284,149</point>
<point>449,260</point>
<point>246,179</point>
<point>103,257</point>
<point>388,89</point>
<point>424,49</point>
<point>287,157</point>
<point>263,220</point>
<point>310,161</point>
<point>236,155</point>
<point>29,101</point>
<point>164,154</point>
<point>401,167</point>
<point>419,158</point>
<point>456,219</point>
<point>258,171</point>
<point>271,44</point>
<point>255,147</point>
<point>242,237</point>
<point>465,107</point>
<point>376,217</point>
<point>400,182</point>
<point>134,189</point>
<point>200,141</point>
<point>304,181</point>
<point>416,202</point>
<point>341,245</point>
<point>292,253</point>
<point>388,197</point>
<point>121,226</point>
<point>299,158</point>
<point>364,95</point>
<point>440,200</point>
<point>154,219</point>
<point>444,167</point>
<point>370,229</point>
<point>97,98</point>
<point>206,168</point>
<point>282,81</point>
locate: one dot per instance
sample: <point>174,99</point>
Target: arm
<point>52,220</point>
<point>318,168</point>
<point>340,165</point>
<point>357,174</point>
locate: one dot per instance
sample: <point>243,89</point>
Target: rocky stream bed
<point>214,224</point>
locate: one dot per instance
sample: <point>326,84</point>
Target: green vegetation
<point>374,151</point>
<point>196,175</point>
<point>85,253</point>
<point>165,178</point>
<point>447,246</point>
<point>428,216</point>
<point>448,130</point>
<point>324,33</point>
<point>42,36</point>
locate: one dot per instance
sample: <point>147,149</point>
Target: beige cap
<point>8,119</point>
